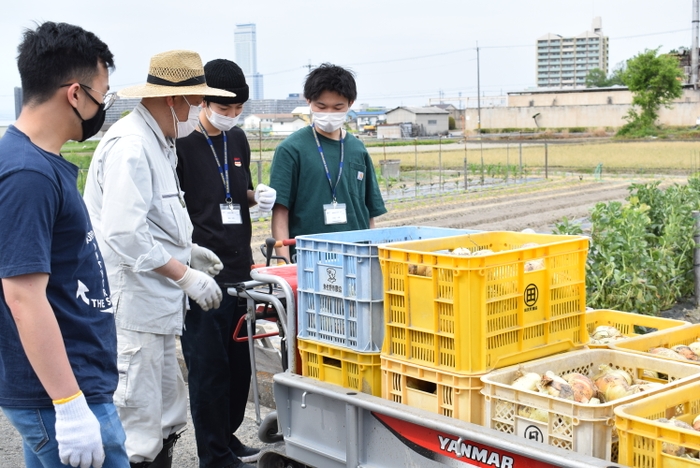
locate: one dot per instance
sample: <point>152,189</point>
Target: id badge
<point>335,213</point>
<point>231,214</point>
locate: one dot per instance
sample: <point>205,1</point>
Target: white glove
<point>78,434</point>
<point>201,288</point>
<point>265,197</point>
<point>205,260</point>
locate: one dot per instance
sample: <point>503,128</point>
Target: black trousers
<point>218,378</point>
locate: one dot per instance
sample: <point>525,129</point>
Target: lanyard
<point>325,165</point>
<point>223,171</point>
<point>177,179</point>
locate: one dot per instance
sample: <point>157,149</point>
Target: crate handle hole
<point>421,385</point>
<point>329,361</point>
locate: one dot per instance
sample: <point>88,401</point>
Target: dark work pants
<point>218,378</point>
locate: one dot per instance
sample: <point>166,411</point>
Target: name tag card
<point>335,213</point>
<point>231,214</point>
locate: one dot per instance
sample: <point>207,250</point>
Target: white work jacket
<point>137,209</point>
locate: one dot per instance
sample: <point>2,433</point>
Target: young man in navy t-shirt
<point>58,360</point>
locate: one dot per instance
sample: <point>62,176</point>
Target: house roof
<point>362,113</point>
<point>445,106</point>
<point>420,110</point>
<point>270,116</point>
<point>287,119</point>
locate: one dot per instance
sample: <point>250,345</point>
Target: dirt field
<point>536,205</point>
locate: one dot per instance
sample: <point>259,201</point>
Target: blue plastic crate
<point>341,289</point>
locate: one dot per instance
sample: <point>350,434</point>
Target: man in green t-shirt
<point>324,176</point>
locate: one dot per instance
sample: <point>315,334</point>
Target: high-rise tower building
<point>247,58</point>
<point>564,62</point>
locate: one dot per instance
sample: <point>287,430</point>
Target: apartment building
<point>564,62</point>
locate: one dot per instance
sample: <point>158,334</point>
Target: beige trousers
<point>151,396</point>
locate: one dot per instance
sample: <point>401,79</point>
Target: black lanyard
<point>223,171</point>
<point>325,165</point>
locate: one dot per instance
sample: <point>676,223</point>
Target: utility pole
<point>478,90</point>
<point>694,48</point>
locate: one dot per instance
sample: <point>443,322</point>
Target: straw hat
<point>174,73</point>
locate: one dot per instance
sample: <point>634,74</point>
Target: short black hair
<point>54,53</point>
<point>329,77</point>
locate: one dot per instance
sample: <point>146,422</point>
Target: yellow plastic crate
<point>449,394</point>
<point>642,438</point>
<point>642,344</point>
<point>341,366</point>
<point>628,323</point>
<point>477,313</point>
<point>583,428</point>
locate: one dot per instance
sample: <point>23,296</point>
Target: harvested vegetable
<point>532,413</point>
<point>527,380</point>
<point>582,386</point>
<point>556,386</point>
<point>686,352</point>
<point>604,334</point>
<point>667,353</point>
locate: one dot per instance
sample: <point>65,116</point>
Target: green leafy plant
<point>641,252</point>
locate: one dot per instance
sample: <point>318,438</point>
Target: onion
<point>696,423</point>
<point>533,265</point>
<point>533,413</point>
<point>556,386</point>
<point>594,401</point>
<point>617,391</point>
<point>526,380</point>
<point>650,374</point>
<point>462,251</point>
<point>613,384</point>
<point>605,369</point>
<point>666,447</point>
<point>604,334</point>
<point>686,352</point>
<point>695,346</point>
<point>667,353</point>
<point>639,388</point>
<point>481,253</point>
<point>583,387</point>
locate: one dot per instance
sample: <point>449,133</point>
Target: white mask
<point>329,122</point>
<point>222,122</point>
<point>183,129</point>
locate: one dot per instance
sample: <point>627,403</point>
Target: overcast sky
<point>404,52</point>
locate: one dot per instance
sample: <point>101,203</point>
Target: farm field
<point>636,156</point>
<point>536,205</point>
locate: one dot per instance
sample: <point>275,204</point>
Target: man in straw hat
<point>142,225</point>
<point>58,345</point>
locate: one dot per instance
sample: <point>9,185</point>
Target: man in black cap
<point>214,172</point>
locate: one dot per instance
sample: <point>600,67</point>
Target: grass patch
<point>637,156</point>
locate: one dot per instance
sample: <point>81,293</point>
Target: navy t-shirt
<point>45,228</point>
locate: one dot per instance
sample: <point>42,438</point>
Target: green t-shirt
<point>298,176</point>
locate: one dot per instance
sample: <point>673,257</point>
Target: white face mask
<point>222,122</point>
<point>329,122</point>
<point>183,129</point>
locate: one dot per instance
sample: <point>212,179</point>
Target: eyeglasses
<point>107,99</point>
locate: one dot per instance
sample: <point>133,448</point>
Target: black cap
<point>225,74</point>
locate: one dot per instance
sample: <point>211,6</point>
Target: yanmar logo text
<point>470,452</point>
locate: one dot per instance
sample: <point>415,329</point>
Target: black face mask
<point>92,125</point>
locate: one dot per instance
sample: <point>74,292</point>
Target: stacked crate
<point>577,426</point>
<point>630,325</point>
<point>450,319</point>
<point>340,319</point>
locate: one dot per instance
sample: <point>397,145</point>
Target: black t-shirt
<point>205,192</point>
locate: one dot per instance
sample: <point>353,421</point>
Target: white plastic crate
<point>341,288</point>
<point>583,428</point>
